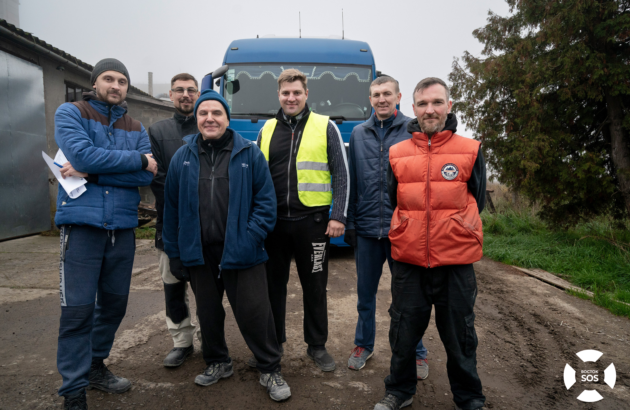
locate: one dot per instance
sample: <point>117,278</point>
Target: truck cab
<point>339,75</point>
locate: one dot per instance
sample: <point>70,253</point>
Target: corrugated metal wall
<point>24,202</point>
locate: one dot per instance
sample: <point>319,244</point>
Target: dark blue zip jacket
<point>369,210</point>
<point>102,140</point>
<point>251,208</point>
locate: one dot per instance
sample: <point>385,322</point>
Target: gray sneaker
<point>322,359</point>
<point>101,378</point>
<point>358,358</point>
<point>391,402</point>
<point>422,369</point>
<point>214,373</point>
<point>276,386</point>
<point>252,362</point>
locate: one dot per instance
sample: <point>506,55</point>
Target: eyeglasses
<point>181,91</point>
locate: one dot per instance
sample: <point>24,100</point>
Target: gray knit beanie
<point>109,64</point>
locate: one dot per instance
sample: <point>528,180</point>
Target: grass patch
<point>594,255</point>
<point>145,233</point>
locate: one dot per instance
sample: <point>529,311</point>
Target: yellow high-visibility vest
<point>314,182</point>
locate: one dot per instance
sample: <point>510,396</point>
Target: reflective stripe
<point>312,165</point>
<point>305,186</point>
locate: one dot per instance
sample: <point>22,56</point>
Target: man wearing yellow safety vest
<point>308,165</point>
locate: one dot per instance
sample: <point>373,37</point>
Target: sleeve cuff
<point>145,161</point>
<point>338,217</point>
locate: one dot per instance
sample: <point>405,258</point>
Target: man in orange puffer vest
<point>436,183</point>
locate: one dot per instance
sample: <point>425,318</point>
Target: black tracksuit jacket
<point>166,138</point>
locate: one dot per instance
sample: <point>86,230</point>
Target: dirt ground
<point>528,331</point>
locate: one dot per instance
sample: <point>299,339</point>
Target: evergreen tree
<point>549,98</point>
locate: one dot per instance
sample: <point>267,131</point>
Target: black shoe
<point>391,402</point>
<point>76,401</point>
<point>176,357</point>
<point>101,378</point>
<point>322,359</point>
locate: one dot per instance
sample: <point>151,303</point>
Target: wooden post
<point>489,203</point>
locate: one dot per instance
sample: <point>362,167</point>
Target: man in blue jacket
<point>370,213</point>
<point>112,151</point>
<point>219,206</point>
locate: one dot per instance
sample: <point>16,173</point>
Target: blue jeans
<point>95,275</point>
<point>370,254</point>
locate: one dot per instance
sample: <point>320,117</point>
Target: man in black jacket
<point>166,138</point>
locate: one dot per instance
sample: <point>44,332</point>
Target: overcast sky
<point>410,40</point>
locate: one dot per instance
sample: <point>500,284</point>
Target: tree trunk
<point>620,148</point>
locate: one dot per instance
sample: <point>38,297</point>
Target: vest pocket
<point>468,229</point>
<point>409,241</point>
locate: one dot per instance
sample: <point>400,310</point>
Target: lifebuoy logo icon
<point>589,376</point>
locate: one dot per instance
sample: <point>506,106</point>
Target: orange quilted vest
<point>436,222</point>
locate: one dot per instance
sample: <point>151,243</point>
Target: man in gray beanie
<point>112,151</point>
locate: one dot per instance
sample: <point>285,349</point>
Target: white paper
<point>74,186</point>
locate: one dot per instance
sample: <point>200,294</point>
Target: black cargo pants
<point>452,290</point>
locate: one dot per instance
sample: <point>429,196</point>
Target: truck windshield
<point>334,90</point>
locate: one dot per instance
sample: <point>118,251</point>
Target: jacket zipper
<point>212,190</point>
<point>428,203</point>
<point>232,155</point>
<point>289,176</point>
<point>380,188</point>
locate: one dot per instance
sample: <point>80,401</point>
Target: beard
<point>185,111</point>
<point>103,95</point>
<point>431,129</point>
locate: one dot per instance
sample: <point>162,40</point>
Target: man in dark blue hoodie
<point>219,206</point>
<point>370,213</point>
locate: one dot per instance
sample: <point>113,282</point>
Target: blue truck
<point>339,76</point>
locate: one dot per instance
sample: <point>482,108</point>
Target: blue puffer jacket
<point>102,140</point>
<point>252,206</point>
<point>369,210</point>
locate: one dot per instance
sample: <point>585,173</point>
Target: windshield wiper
<point>337,117</point>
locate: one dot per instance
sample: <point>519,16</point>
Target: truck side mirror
<point>233,87</point>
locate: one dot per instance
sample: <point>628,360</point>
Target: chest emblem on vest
<point>450,172</point>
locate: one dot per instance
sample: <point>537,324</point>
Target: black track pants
<point>452,290</point>
<point>250,304</point>
<point>306,241</point>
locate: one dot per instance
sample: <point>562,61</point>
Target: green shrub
<point>594,255</point>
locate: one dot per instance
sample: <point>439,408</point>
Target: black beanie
<point>109,64</point>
